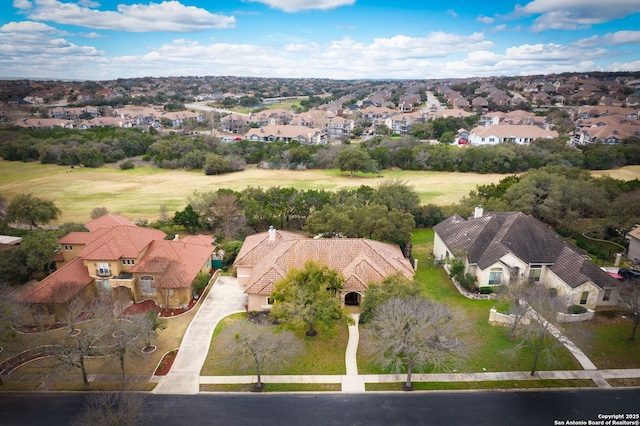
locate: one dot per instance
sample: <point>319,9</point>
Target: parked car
<point>629,274</point>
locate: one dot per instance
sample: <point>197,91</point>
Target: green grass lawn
<point>606,342</point>
<point>492,350</point>
<point>323,354</point>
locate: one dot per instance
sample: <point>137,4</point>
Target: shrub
<point>201,281</point>
<point>486,290</point>
<point>576,309</point>
<point>127,165</point>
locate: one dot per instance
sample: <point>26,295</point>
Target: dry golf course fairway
<point>139,193</point>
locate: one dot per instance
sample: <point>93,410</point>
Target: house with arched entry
<point>125,261</point>
<point>265,258</point>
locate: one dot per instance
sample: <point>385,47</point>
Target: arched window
<point>146,282</point>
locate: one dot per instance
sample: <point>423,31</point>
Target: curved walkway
<point>225,298</point>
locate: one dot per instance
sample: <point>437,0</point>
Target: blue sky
<point>339,39</point>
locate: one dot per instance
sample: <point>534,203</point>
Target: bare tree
<point>542,304</point>
<point>97,212</point>
<point>225,211</point>
<point>515,293</point>
<point>113,409</point>
<point>131,333</point>
<point>414,333</point>
<point>72,350</point>
<point>629,303</point>
<point>12,315</point>
<point>253,345</point>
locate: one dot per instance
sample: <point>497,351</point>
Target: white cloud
<point>293,6</point>
<point>34,44</point>
<point>575,14</point>
<point>485,19</point>
<point>612,39</point>
<point>22,4</point>
<point>170,16</point>
<point>452,13</point>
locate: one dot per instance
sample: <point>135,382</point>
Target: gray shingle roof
<point>488,238</point>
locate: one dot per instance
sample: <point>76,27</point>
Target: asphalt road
<point>433,408</point>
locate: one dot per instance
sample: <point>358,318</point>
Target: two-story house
<point>125,261</point>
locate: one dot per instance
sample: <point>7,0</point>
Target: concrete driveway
<point>225,297</point>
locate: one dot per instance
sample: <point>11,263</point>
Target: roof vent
<point>272,234</point>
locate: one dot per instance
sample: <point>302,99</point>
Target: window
<point>270,301</point>
<point>128,261</point>
<point>146,283</point>
<point>534,273</point>
<point>584,297</point>
<point>495,276</point>
<point>607,295</point>
<point>68,248</point>
<point>103,269</point>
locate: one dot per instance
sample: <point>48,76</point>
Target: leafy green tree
<point>216,164</point>
<point>354,160</point>
<point>397,194</point>
<point>40,248</point>
<point>447,137</point>
<point>27,209</point>
<point>309,295</point>
<point>392,286</point>
<point>187,218</point>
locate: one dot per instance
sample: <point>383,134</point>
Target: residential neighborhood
<point>342,266</point>
<point>602,109</point>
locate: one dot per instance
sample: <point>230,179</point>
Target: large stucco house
<point>127,262</point>
<point>501,248</point>
<point>265,258</point>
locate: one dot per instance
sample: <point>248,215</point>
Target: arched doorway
<point>352,299</point>
<point>121,294</point>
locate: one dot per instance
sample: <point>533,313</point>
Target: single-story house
<point>265,258</point>
<point>127,262</point>
<point>501,248</point>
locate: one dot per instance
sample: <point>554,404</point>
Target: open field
<point>139,193</point>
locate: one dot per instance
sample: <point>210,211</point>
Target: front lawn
<point>323,354</point>
<point>606,342</point>
<point>492,348</point>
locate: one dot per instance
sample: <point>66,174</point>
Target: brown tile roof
<point>60,286</point>
<point>486,239</point>
<point>360,261</point>
<point>177,261</point>
<point>257,246</point>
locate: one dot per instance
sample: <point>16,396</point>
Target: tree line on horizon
<point>98,146</point>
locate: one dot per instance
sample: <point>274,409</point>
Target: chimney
<point>478,212</point>
<point>272,234</point>
<point>176,237</point>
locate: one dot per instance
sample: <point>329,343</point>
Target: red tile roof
<point>177,261</point>
<point>119,242</point>
<point>108,221</point>
<point>360,261</point>
<point>60,286</point>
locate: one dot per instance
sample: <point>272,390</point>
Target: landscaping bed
<point>165,364</point>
